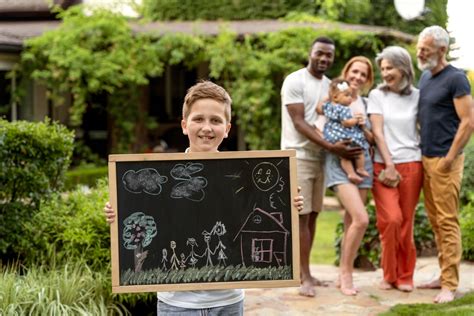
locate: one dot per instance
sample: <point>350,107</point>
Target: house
<point>263,240</point>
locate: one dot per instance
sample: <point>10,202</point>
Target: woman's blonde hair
<point>370,72</point>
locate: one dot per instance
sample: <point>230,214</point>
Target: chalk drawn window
<point>262,250</point>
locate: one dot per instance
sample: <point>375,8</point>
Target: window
<point>262,250</point>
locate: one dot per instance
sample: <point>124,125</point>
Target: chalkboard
<point>193,221</point>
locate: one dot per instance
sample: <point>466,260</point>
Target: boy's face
<point>206,125</point>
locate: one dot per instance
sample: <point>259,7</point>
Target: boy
<point>206,122</point>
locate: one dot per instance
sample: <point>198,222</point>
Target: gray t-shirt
<point>439,121</point>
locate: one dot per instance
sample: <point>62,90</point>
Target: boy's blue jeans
<point>236,309</point>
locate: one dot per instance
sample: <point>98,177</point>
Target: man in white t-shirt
<point>302,90</point>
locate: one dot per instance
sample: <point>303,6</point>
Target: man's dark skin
<point>320,60</point>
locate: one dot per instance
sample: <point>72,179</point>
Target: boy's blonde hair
<point>337,86</point>
<point>207,90</point>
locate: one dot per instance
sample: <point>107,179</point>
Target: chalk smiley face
<point>265,176</point>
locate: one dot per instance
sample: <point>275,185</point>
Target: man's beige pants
<point>441,191</point>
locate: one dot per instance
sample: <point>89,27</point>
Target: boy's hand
<point>109,213</point>
<point>299,201</point>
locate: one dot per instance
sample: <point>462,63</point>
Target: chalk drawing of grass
<point>205,274</point>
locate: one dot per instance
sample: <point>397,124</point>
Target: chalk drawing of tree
<point>138,232</point>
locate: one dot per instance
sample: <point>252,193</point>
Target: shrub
<point>74,289</point>
<point>467,229</point>
<point>69,228</point>
<point>467,185</point>
<point>222,9</point>
<point>369,251</point>
<point>33,159</point>
<point>84,175</point>
<point>12,217</point>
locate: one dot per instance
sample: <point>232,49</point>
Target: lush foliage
<point>369,251</point>
<point>467,228</point>
<point>467,185</point>
<point>69,228</point>
<point>459,307</point>
<point>221,9</point>
<point>323,251</point>
<point>74,289</point>
<point>91,55</point>
<point>373,12</point>
<point>33,160</point>
<point>381,12</point>
<point>253,71</point>
<point>102,55</point>
<point>86,175</point>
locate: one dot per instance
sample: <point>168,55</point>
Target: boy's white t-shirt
<point>201,299</point>
<point>301,87</point>
<point>399,124</point>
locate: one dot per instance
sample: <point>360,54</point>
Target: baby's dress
<point>334,131</point>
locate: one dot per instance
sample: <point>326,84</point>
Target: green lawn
<point>323,251</point>
<point>460,307</point>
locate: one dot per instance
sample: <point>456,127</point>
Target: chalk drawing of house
<point>263,240</point>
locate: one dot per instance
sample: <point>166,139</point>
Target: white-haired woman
<point>398,171</point>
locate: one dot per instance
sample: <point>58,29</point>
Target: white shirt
<point>399,124</point>
<point>201,299</point>
<point>301,87</point>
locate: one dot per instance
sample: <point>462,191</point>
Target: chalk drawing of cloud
<point>146,180</point>
<point>191,189</point>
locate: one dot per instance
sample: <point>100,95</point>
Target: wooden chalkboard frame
<point>114,227</point>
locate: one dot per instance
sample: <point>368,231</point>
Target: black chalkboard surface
<point>203,221</point>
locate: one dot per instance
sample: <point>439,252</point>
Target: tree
<point>138,232</point>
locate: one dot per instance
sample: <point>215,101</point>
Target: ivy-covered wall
<point>222,9</point>
<point>101,54</point>
<point>369,12</point>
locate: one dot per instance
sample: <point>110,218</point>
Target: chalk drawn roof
<point>266,218</point>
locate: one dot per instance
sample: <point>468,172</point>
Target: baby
<point>341,125</point>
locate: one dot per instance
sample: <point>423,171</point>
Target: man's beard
<point>429,64</point>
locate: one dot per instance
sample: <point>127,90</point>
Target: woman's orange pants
<point>395,210</point>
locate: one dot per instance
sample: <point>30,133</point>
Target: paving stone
<point>329,300</point>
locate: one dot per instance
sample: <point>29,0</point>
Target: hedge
<point>33,160</point>
<point>84,175</point>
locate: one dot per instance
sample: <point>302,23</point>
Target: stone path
<point>370,301</point>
